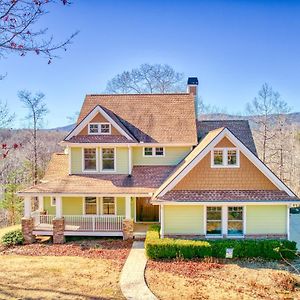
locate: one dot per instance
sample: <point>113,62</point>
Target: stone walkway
<point>132,279</point>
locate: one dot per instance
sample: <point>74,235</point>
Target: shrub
<point>14,237</point>
<point>157,248</point>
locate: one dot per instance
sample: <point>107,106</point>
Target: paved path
<point>132,279</point>
<point>295,228</point>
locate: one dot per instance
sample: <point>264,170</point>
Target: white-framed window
<point>53,201</point>
<point>108,206</point>
<point>90,159</point>
<point>214,220</point>
<point>108,159</point>
<point>235,221</point>
<point>225,158</point>
<point>90,205</point>
<point>154,151</point>
<point>99,128</point>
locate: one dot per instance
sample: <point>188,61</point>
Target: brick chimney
<point>192,88</point>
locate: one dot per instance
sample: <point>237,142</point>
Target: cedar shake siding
<point>246,177</point>
<point>99,119</point>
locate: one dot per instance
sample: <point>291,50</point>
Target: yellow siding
<point>76,160</point>
<point>72,205</point>
<point>183,219</point>
<point>47,206</point>
<point>121,206</point>
<point>173,155</point>
<point>266,219</point>
<point>122,160</point>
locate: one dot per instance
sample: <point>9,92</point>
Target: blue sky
<point>232,46</point>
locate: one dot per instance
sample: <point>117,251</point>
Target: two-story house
<point>135,159</point>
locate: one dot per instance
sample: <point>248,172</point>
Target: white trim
<point>41,203</point>
<point>253,158</point>
<point>70,159</point>
<point>162,221</point>
<point>154,151</point>
<point>99,132</point>
<point>90,233</point>
<point>101,160</point>
<point>129,160</point>
<point>58,210</point>
<point>141,144</point>
<point>128,207</point>
<point>288,222</point>
<point>63,194</point>
<point>90,116</point>
<point>134,203</point>
<point>235,203</point>
<point>245,219</point>
<point>224,213</point>
<point>225,158</point>
<point>51,201</point>
<point>27,207</point>
<point>82,160</point>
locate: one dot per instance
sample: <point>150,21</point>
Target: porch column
<point>58,207</point>
<point>27,207</point>
<point>128,221</point>
<point>58,223</point>
<point>27,222</point>
<point>162,221</point>
<point>129,160</point>
<point>41,203</point>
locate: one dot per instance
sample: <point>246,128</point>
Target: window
<point>235,220</point>
<point>154,151</point>
<point>105,128</point>
<point>231,157</point>
<point>90,205</point>
<point>93,128</point>
<point>159,151</point>
<point>214,220</point>
<point>225,158</point>
<point>108,159</point>
<point>90,159</point>
<point>53,201</point>
<point>148,151</point>
<point>108,206</point>
<point>218,157</point>
<point>99,128</point>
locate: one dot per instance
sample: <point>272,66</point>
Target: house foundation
<point>27,229</point>
<point>58,231</point>
<point>127,229</point>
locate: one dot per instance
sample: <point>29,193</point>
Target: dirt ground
<point>75,270</point>
<point>219,280</point>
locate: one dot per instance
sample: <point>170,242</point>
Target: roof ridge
<point>141,94</point>
<point>219,120</point>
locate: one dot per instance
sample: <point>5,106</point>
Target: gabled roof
<point>203,148</point>
<point>109,116</point>
<point>226,196</point>
<point>150,118</point>
<point>144,180</point>
<point>240,128</point>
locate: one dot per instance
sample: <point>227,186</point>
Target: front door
<point>145,211</point>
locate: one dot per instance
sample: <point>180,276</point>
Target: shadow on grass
<point>5,287</point>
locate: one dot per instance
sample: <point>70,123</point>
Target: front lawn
<point>86,269</point>
<point>240,279</point>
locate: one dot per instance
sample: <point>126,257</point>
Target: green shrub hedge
<point>14,237</point>
<point>157,248</point>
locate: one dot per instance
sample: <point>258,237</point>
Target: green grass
<point>7,229</point>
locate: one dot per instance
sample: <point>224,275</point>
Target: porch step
<point>139,235</point>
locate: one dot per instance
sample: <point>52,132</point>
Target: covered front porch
<point>101,215</point>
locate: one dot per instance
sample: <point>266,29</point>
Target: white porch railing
<point>94,223</point>
<point>39,218</point>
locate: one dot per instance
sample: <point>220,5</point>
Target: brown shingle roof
<point>99,139</point>
<point>144,180</point>
<point>240,128</point>
<point>226,196</point>
<point>162,118</point>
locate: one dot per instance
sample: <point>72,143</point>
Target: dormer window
<point>99,128</point>
<point>225,158</point>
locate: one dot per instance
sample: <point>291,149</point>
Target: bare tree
<point>266,109</point>
<point>147,78</point>
<point>5,116</point>
<point>18,29</point>
<point>36,111</point>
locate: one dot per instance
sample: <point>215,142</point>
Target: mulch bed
<point>187,268</point>
<point>117,250</point>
